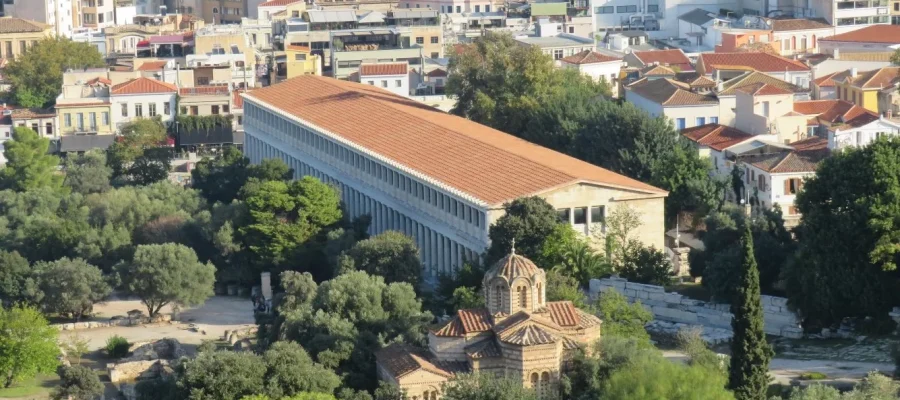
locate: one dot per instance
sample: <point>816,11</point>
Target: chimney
<point>853,72</point>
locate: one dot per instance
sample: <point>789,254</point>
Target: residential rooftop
<point>19,25</point>
<point>888,34</point>
<point>669,92</point>
<point>755,61</point>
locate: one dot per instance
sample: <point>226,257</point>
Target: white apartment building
<point>393,77</point>
<point>675,100</point>
<point>841,137</point>
<point>848,16</point>
<point>58,13</point>
<point>438,178</point>
<point>142,98</point>
<point>597,66</point>
<point>98,13</point>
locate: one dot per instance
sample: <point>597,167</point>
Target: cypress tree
<point>750,354</point>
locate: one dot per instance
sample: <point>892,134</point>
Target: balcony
<point>857,9</point>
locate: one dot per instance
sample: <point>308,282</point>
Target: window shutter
<point>787,186</point>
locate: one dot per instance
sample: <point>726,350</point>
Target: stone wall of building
<point>673,307</point>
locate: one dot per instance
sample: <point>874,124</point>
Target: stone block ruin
<point>148,360</point>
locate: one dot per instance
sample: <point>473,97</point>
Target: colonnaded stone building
<point>519,335</point>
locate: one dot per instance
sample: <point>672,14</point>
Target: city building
<point>737,40</point>
<point>177,45</point>
<point>266,11</point>
<point>848,16</point>
<point>204,102</point>
<point>519,335</point>
<point>352,48</point>
<point>861,134</point>
<point>125,12</point>
<point>725,66</point>
<point>58,14</point>
<point>675,100</point>
<point>674,58</point>
<point>42,121</point>
<point>799,36</point>
<point>92,36</point>
<point>439,178</point>
<point>872,39</point>
<point>825,87</point>
<point>726,93</point>
<point>225,46</point>
<point>874,90</point>
<point>98,13</point>
<point>142,98</point>
<point>557,45</point>
<point>84,115</point>
<point>226,11</point>
<point>393,77</point>
<point>299,60</point>
<point>17,35</point>
<point>597,66</point>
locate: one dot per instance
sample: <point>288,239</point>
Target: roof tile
<point>672,57</point>
<point>477,161</point>
<point>781,25</point>
<point>588,57</point>
<point>19,25</point>
<point>402,359</point>
<point>889,34</point>
<point>529,335</point>
<point>384,69</point>
<point>669,92</point>
<point>142,86</point>
<point>757,61</point>
<point>715,136</point>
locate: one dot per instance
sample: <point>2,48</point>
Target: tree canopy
<point>390,254</point>
<point>161,274</point>
<point>138,158</point>
<point>37,75</point>
<point>27,346</point>
<point>661,379</point>
<point>68,287</point>
<point>87,173</point>
<point>848,236</point>
<point>28,164</point>
<point>529,221</point>
<point>485,386</point>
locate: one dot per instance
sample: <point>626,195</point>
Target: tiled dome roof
<point>512,266</point>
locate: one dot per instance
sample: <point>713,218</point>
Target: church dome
<point>511,267</point>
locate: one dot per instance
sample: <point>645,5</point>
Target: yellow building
<point>224,11</point>
<point>84,116</point>
<point>17,35</point>
<point>222,44</point>
<point>300,61</point>
<point>863,88</point>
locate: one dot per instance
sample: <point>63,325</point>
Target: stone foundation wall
<point>75,326</point>
<point>134,370</point>
<point>673,307</point>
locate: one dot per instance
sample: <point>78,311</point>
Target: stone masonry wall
<point>673,307</point>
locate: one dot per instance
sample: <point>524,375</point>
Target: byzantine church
<point>519,335</point>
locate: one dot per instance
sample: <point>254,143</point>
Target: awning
<point>85,142</point>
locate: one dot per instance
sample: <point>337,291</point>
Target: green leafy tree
<point>271,169</point>
<point>750,354</point>
<point>347,320</point>
<point>459,290</point>
<point>573,256</point>
<point>27,346</point>
<point>623,319</point>
<point>221,375</point>
<point>874,387</point>
<point>28,165</point>
<point>284,216</point>
<point>74,347</point>
<point>486,387</point>
<point>162,274</point>
<point>846,265</point>
<point>586,378</point>
<point>14,271</point>
<point>466,297</point>
<point>562,287</point>
<point>660,379</point>
<point>69,287</point>
<point>137,158</point>
<point>290,371</point>
<point>895,58</point>
<point>528,221</point>
<point>78,383</point>
<point>88,173</point>
<point>221,178</point>
<point>390,254</point>
<point>644,265</point>
<point>151,166</point>
<point>37,75</point>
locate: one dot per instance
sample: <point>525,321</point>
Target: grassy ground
<point>870,349</point>
<point>38,387</point>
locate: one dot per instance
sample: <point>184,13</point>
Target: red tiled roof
<point>512,266</point>
<point>782,25</point>
<point>204,91</point>
<point>528,335</point>
<point>878,78</point>
<point>589,57</point>
<point>805,157</point>
<point>402,359</point>
<point>758,61</point>
<point>152,66</point>
<point>672,57</point>
<point>669,92</point>
<point>888,34</point>
<point>437,73</point>
<point>835,112</point>
<point>384,69</point>
<point>753,77</point>
<point>467,321</point>
<point>762,89</point>
<point>715,136</point>
<point>142,86</point>
<point>27,113</point>
<point>469,158</point>
<point>19,25</point>
<point>829,79</point>
<point>277,3</point>
<point>563,313</point>
<point>237,100</point>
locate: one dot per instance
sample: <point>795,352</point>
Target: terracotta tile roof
<point>528,335</point>
<point>657,70</point>
<point>563,313</point>
<point>668,92</point>
<point>277,3</point>
<point>467,321</point>
<point>402,359</point>
<point>99,80</point>
<point>888,34</point>
<point>437,73</point>
<point>237,101</point>
<point>830,79</point>
<point>586,320</point>
<point>781,25</point>
<point>473,160</point>
<point>569,344</point>
<point>730,87</point>
<point>484,349</point>
<point>883,56</point>
<point>26,113</point>
<point>835,112</point>
<point>877,79</point>
<point>19,25</point>
<point>384,69</point>
<point>763,89</point>
<point>152,66</point>
<point>204,91</point>
<point>588,57</point>
<point>142,86</point>
<point>715,136</point>
<point>512,266</point>
<point>757,61</point>
<point>695,80</point>
<point>672,57</point>
<point>805,157</point>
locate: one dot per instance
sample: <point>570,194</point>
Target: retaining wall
<point>673,307</point>
<point>74,326</point>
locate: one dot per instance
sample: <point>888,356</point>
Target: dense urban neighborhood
<point>449,200</point>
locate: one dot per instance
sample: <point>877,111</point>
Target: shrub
<point>78,383</point>
<point>812,376</point>
<point>117,346</point>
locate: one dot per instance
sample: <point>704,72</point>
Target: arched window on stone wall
<point>545,385</point>
<point>523,297</point>
<point>433,395</point>
<point>535,382</point>
<point>540,294</point>
<point>498,297</point>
